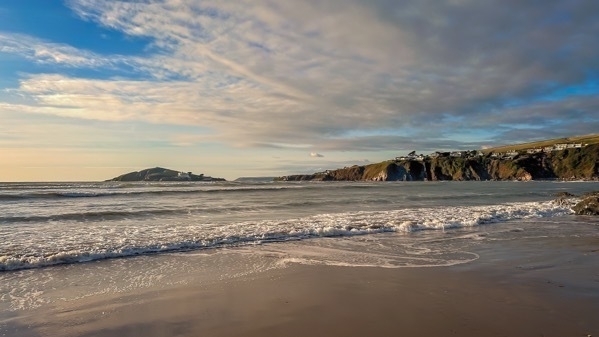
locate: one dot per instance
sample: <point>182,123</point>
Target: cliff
<point>162,174</point>
<point>568,164</point>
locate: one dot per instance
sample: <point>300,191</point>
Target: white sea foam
<point>47,244</point>
<point>420,224</point>
<point>34,288</point>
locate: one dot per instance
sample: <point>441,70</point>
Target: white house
<point>537,150</point>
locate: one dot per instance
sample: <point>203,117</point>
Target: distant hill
<point>254,179</point>
<point>587,139</point>
<point>162,174</point>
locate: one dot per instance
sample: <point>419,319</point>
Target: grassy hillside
<point>588,139</point>
<point>373,170</point>
<point>580,163</point>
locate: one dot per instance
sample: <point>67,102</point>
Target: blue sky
<point>92,89</point>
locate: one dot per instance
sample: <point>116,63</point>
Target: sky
<point>93,89</point>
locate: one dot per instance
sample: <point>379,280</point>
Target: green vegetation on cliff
<point>576,163</point>
<point>568,164</point>
<point>374,171</point>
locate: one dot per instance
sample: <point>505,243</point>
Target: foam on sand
<point>46,244</point>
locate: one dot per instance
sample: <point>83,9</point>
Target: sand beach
<point>529,287</point>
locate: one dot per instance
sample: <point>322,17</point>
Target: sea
<point>61,242</point>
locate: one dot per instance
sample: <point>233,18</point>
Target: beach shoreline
<point>511,290</point>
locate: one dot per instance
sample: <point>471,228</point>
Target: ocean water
<point>61,242</point>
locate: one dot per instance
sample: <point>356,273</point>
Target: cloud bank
<point>346,75</point>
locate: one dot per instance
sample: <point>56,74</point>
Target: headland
<point>548,160</point>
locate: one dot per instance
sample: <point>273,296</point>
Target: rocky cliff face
<point>581,163</point>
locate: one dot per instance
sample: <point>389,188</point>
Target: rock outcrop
<point>162,174</point>
<point>569,164</point>
<point>589,205</point>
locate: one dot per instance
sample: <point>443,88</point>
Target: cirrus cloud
<point>346,75</point>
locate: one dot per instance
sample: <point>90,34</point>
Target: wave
<point>128,214</point>
<point>82,244</point>
<point>171,191</point>
<point>86,216</point>
<point>174,211</point>
<point>510,194</point>
<point>47,186</point>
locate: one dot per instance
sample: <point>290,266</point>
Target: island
<point>575,158</point>
<point>162,174</point>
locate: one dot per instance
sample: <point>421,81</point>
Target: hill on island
<point>162,174</point>
<point>575,158</point>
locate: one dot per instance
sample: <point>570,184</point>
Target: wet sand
<point>529,287</point>
<point>335,301</point>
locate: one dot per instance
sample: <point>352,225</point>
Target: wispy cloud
<point>45,52</point>
<point>316,155</point>
<point>346,75</point>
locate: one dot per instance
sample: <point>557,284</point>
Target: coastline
<point>559,163</point>
<point>527,287</point>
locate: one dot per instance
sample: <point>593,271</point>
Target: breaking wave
<point>52,245</point>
